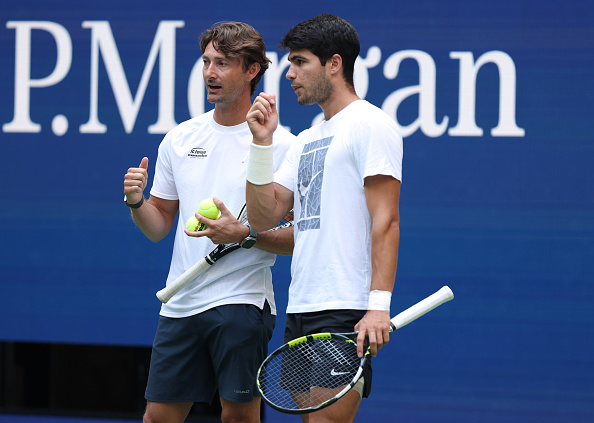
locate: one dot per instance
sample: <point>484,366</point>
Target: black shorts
<point>219,348</point>
<point>333,321</point>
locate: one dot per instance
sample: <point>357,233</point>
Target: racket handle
<point>412,313</point>
<point>188,276</point>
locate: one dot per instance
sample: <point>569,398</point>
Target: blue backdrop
<point>495,101</point>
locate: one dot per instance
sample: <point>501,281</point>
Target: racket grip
<point>424,306</point>
<point>188,276</point>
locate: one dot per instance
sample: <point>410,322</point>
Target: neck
<point>232,113</point>
<point>338,101</point>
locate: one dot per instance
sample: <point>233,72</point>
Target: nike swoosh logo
<point>335,373</point>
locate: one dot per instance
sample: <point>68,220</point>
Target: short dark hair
<point>326,35</point>
<point>238,40</point>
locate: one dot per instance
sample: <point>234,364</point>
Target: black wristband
<point>133,206</point>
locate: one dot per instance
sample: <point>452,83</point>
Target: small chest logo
<point>198,153</point>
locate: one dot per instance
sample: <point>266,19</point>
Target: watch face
<point>248,242</point>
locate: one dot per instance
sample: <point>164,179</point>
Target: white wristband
<point>379,300</point>
<point>259,169</point>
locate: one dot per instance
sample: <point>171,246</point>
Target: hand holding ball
<point>207,208</point>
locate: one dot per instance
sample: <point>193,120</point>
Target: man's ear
<point>335,63</point>
<point>252,71</point>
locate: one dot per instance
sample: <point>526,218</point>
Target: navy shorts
<point>333,321</point>
<point>221,348</point>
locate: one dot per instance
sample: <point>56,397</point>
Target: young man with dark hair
<point>342,178</point>
<point>214,333</point>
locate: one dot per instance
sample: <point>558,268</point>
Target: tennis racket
<point>315,371</point>
<point>203,265</point>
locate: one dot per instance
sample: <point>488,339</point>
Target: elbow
<point>155,235</point>
<point>395,226</point>
<point>394,229</point>
<point>259,225</point>
<point>154,238</point>
<point>389,229</point>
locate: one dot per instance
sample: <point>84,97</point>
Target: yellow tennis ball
<point>208,208</point>
<point>194,225</point>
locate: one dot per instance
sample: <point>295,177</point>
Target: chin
<point>304,101</point>
<point>212,98</point>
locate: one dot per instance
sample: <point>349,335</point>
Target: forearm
<point>384,255</point>
<point>375,325</point>
<point>279,242</point>
<point>263,208</point>
<point>266,201</point>
<point>154,221</point>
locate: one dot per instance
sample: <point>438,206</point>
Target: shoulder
<point>370,119</point>
<point>370,112</point>
<point>193,124</point>
<point>187,129</point>
<point>184,135</point>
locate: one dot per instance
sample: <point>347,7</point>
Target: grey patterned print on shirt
<point>309,182</point>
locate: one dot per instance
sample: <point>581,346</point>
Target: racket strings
<point>309,374</point>
<point>287,219</point>
<point>242,216</point>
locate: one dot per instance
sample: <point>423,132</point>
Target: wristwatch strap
<point>133,206</point>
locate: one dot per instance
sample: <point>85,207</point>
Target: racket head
<point>310,373</point>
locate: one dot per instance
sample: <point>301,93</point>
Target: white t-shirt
<point>325,169</point>
<point>199,159</point>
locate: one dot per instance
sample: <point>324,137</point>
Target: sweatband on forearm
<point>379,300</point>
<point>259,168</point>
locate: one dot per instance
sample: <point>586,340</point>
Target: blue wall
<point>504,217</point>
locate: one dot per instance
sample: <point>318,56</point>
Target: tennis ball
<point>194,225</point>
<point>208,208</point>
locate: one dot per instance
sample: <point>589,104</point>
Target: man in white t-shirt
<point>214,333</point>
<point>342,178</point>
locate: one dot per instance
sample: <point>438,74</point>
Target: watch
<point>250,240</point>
<point>133,206</point>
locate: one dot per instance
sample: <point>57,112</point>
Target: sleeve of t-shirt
<point>164,181</point>
<point>379,149</point>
